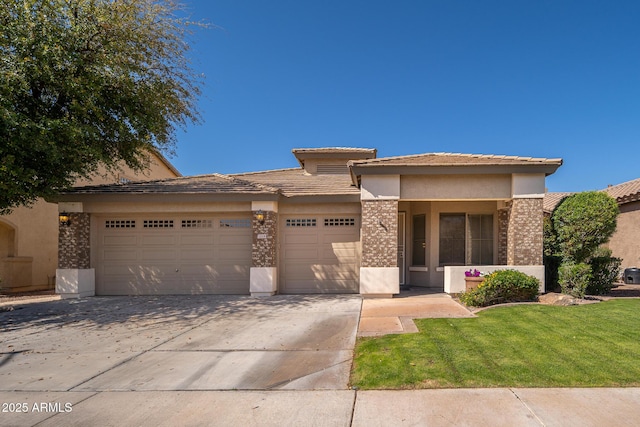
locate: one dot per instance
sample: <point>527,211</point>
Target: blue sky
<point>518,77</point>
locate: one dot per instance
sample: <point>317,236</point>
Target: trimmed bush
<point>574,278</point>
<point>500,287</point>
<point>605,270</point>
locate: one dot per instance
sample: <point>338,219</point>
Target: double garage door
<point>143,255</point>
<point>147,255</point>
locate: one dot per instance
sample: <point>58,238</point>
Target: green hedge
<point>500,287</point>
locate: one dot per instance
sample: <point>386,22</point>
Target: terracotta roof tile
<point>551,200</point>
<point>455,159</point>
<point>626,192</point>
<point>210,184</point>
<point>295,182</point>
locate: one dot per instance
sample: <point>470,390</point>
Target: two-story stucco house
<point>344,221</point>
<point>29,235</point>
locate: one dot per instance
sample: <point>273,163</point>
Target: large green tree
<point>85,83</point>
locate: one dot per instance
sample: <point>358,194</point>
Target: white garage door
<point>146,255</point>
<point>320,254</point>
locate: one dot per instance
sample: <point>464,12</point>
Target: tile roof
<point>551,200</point>
<point>455,159</point>
<point>295,182</point>
<point>626,192</point>
<point>209,184</point>
<point>329,150</point>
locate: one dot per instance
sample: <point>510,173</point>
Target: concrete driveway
<point>174,343</point>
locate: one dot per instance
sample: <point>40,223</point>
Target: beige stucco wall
<point>36,228</point>
<point>625,242</point>
<point>455,187</point>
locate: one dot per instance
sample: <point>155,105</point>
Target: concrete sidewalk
<point>449,407</point>
<point>203,360</point>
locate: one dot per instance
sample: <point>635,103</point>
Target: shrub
<point>581,223</point>
<point>574,278</point>
<point>605,270</point>
<point>500,287</point>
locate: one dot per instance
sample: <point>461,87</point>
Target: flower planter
<point>471,282</point>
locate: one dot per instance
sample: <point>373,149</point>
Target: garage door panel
<point>304,237</point>
<point>300,252</point>
<point>236,239</point>
<point>204,254</point>
<point>158,254</point>
<point>147,240</point>
<point>120,255</point>
<point>196,240</point>
<point>128,240</point>
<point>140,260</point>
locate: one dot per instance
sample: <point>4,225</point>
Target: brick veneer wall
<point>264,251</point>
<point>379,233</point>
<point>525,234</point>
<point>503,229</point>
<point>74,246</point>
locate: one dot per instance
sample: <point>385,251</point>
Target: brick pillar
<point>265,240</point>
<point>503,229</point>
<point>74,276</point>
<point>379,233</point>
<point>263,278</point>
<point>525,232</point>
<point>74,246</point>
<point>379,268</point>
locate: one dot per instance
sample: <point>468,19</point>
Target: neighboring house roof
<point>295,182</point>
<point>626,192</point>
<point>551,200</point>
<point>209,184</point>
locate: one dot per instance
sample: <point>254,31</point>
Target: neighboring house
<point>343,222</point>
<point>625,242</point>
<point>29,236</point>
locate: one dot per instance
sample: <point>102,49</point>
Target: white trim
<point>75,282</point>
<point>264,206</point>
<point>263,281</point>
<point>379,281</point>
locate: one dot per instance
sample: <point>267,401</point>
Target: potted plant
<point>472,278</point>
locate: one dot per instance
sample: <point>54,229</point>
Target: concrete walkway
<point>381,316</point>
<point>220,361</point>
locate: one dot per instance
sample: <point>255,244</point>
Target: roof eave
<point>463,169</point>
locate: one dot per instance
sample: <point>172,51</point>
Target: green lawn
<point>594,345</point>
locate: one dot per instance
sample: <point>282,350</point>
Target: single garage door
<point>321,254</point>
<point>146,255</point>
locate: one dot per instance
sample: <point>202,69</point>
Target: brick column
<point>379,268</point>
<point>263,278</point>
<point>74,277</point>
<point>264,248</point>
<point>525,233</point>
<point>74,245</point>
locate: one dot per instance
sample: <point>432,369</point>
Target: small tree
<point>582,222</point>
<point>85,83</point>
<point>578,226</point>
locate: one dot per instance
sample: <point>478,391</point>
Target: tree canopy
<point>582,222</point>
<point>85,83</point>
